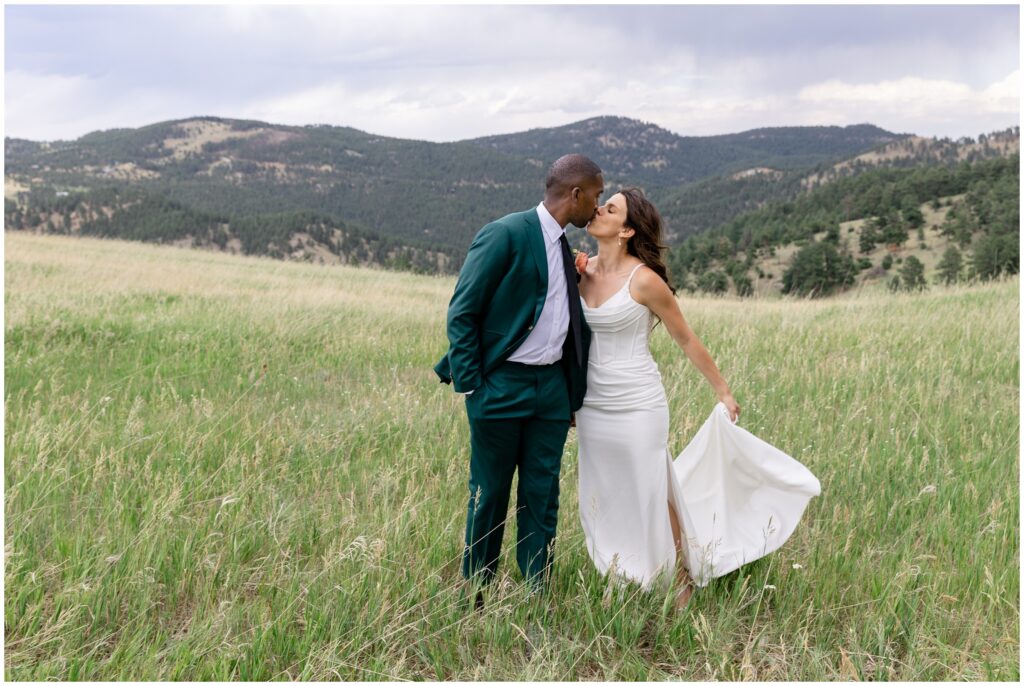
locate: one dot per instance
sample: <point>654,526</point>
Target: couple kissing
<point>539,342</point>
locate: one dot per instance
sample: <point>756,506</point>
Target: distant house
<point>62,194</point>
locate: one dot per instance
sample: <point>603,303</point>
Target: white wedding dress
<point>738,497</point>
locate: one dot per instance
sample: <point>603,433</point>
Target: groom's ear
<point>575,194</point>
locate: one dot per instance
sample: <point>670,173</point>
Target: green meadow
<point>233,468</point>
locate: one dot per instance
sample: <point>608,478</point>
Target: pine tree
<point>832,234</point>
<point>868,237</point>
<point>950,266</point>
<point>740,280</point>
<point>895,231</point>
<point>713,281</point>
<point>818,270</point>
<point>912,274</point>
<point>996,255</point>
<point>911,212</point>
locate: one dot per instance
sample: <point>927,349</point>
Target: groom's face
<point>588,199</point>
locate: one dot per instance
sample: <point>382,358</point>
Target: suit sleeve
<point>486,264</point>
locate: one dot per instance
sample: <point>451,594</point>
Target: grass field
<point>221,467</point>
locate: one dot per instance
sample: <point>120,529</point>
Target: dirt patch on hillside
<point>196,134</point>
<point>919,147</point>
<point>126,171</point>
<point>278,170</point>
<point>755,171</point>
<point>12,187</point>
<point>274,137</point>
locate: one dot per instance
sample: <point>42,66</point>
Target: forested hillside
<point>353,196</point>
<point>868,223</point>
<point>248,175</point>
<point>336,194</point>
<point>694,208</point>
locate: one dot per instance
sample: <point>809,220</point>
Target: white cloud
<point>33,103</point>
<point>904,92</point>
<point>54,106</point>
<point>448,73</point>
<point>482,102</point>
<point>902,103</point>
<point>1004,96</point>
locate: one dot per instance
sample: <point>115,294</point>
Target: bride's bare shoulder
<point>646,277</point>
<point>648,285</point>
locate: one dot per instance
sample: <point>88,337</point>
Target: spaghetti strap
<point>630,277</point>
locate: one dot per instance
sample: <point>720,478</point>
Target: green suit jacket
<point>497,301</point>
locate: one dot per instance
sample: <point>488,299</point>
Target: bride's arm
<point>649,290</point>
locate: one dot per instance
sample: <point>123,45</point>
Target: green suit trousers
<point>518,419</point>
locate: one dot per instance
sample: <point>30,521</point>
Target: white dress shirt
<point>544,344</point>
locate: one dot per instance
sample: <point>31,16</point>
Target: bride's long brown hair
<point>644,219</point>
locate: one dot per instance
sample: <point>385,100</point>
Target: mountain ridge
<point>673,159</point>
<point>367,198</point>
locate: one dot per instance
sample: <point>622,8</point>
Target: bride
<point>646,518</point>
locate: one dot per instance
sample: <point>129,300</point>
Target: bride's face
<point>610,220</point>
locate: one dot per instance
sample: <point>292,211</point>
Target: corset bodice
<point>621,373</point>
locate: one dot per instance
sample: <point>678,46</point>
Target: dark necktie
<point>575,312</point>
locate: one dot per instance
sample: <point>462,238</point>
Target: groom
<point>518,352</point>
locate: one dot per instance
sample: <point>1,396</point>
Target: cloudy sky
<point>455,72</point>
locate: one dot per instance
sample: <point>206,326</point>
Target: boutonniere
<point>581,260</point>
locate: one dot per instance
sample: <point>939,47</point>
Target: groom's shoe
<point>536,638</point>
<point>472,597</point>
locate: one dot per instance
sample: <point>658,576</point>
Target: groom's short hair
<point>569,171</point>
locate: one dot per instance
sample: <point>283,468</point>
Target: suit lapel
<point>535,237</point>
